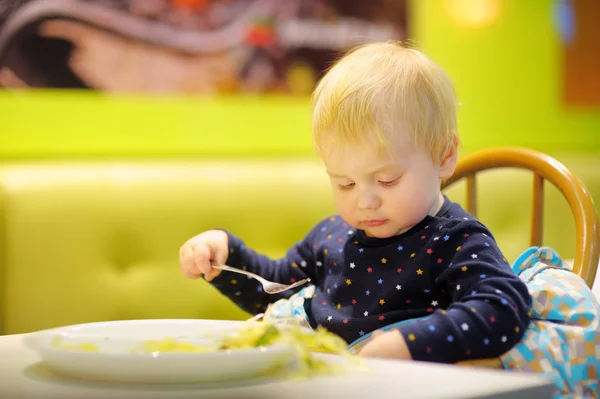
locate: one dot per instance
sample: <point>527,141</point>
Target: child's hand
<point>196,255</point>
<point>389,344</point>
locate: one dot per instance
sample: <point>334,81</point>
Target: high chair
<point>543,167</point>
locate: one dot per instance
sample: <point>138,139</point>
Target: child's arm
<point>297,264</point>
<point>246,292</point>
<point>490,303</point>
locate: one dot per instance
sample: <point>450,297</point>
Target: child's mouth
<point>375,222</point>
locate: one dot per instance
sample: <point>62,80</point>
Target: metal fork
<point>269,287</point>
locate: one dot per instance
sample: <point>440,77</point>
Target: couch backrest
<point>90,241</point>
<point>99,240</point>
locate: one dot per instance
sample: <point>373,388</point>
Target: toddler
<point>400,263</point>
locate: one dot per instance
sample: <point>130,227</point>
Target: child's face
<point>385,194</point>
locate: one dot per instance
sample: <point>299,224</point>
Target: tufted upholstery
<point>99,240</point>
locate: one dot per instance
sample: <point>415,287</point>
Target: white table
<point>22,375</point>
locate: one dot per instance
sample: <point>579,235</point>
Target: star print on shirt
<point>354,270</point>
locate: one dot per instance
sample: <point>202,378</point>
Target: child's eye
<point>389,183</point>
<point>346,186</point>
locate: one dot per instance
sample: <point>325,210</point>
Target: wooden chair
<point>543,167</point>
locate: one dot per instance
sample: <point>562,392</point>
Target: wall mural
<point>577,23</point>
<point>192,46</point>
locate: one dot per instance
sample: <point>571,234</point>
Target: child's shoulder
<point>332,224</point>
<point>453,218</point>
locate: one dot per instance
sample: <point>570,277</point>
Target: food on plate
<point>84,346</point>
<point>169,345</point>
<point>251,334</point>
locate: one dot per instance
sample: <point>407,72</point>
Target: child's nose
<point>368,200</point>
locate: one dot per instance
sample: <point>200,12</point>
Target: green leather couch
<point>98,240</point>
<point>90,241</point>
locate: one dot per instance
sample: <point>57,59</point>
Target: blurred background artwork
<point>577,22</point>
<point>201,46</point>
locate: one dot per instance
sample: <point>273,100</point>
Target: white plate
<point>113,363</point>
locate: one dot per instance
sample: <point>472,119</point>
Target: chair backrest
<point>543,167</point>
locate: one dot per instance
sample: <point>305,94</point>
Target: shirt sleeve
<point>489,304</point>
<point>246,292</point>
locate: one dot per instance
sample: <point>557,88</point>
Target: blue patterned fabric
<point>563,338</point>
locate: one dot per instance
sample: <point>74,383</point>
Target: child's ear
<point>448,163</point>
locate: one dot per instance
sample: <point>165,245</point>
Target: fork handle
<point>236,270</point>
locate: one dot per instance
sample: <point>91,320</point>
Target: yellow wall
<point>80,124</point>
<point>507,73</point>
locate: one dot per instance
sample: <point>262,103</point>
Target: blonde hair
<point>378,88</point>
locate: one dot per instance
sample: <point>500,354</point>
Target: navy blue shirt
<point>448,268</point>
